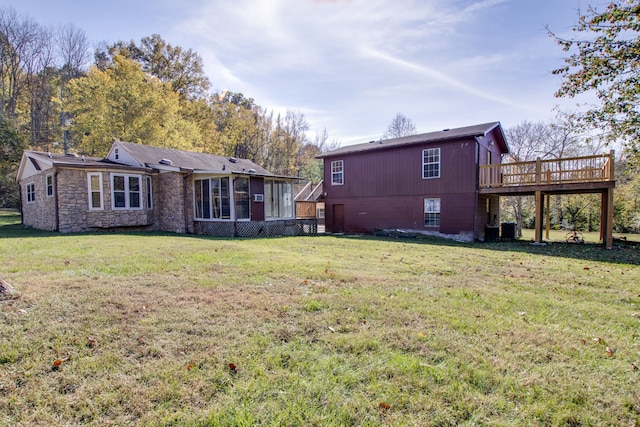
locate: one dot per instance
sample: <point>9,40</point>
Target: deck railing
<point>586,169</point>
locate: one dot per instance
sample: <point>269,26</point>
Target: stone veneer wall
<point>73,206</point>
<point>40,214</point>
<point>171,204</point>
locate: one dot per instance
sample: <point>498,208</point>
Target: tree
<point>400,126</point>
<point>123,102</point>
<point>529,141</point>
<point>171,64</point>
<point>11,146</point>
<point>604,59</point>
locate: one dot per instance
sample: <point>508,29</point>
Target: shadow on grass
<point>623,253</point>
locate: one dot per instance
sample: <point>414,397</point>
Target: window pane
<point>206,199</point>
<point>95,183</point>
<point>118,183</point>
<point>134,200</point>
<point>95,199</point>
<point>198,195</point>
<point>134,183</point>
<point>268,199</point>
<point>287,200</point>
<point>119,199</point>
<point>149,193</point>
<point>242,198</point>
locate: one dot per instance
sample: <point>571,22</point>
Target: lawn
<point>162,329</point>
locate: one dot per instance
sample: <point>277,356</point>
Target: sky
<point>351,65</point>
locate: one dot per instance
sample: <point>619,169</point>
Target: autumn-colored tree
<point>183,68</point>
<point>604,59</point>
<point>123,102</point>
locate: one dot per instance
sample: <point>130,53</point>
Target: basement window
<point>432,212</point>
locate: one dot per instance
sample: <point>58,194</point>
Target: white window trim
<point>46,183</point>
<point>89,190</point>
<point>149,192</point>
<point>232,201</point>
<point>31,199</point>
<point>439,211</point>
<point>293,203</point>
<point>126,192</point>
<point>341,173</point>
<point>431,163</point>
<point>234,210</point>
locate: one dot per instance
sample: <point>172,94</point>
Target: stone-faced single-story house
<point>142,188</point>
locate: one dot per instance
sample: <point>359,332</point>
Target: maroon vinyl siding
<point>256,186</point>
<point>384,188</point>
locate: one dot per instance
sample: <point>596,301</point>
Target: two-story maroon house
<point>424,183</point>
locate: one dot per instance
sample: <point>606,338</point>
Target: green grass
<point>322,330</point>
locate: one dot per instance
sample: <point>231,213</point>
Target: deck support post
<point>539,215</point>
<point>548,216</point>
<point>606,218</point>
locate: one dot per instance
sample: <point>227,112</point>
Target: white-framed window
<point>212,198</point>
<point>31,192</point>
<point>337,172</point>
<point>149,193</point>
<point>94,184</point>
<point>241,197</point>
<point>49,179</point>
<point>126,191</point>
<point>278,199</point>
<point>430,163</point>
<point>432,212</point>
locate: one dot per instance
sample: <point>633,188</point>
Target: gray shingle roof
<point>151,157</point>
<point>70,160</point>
<point>443,135</point>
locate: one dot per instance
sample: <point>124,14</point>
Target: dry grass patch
<point>319,331</point>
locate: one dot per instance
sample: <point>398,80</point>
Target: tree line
<point>147,92</point>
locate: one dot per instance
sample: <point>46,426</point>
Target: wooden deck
<point>541,178</point>
<point>568,174</point>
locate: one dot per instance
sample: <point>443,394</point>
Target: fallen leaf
<point>233,368</point>
<point>384,406</point>
<point>583,341</point>
<point>91,342</point>
<point>190,366</point>
<point>609,351</point>
<point>331,329</point>
<point>635,315</point>
<point>634,367</point>
<point>585,268</point>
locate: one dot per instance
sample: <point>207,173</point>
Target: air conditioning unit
<point>258,197</point>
